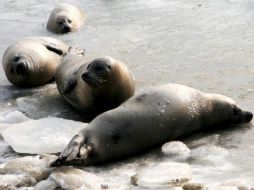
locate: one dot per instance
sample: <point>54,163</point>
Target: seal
<point>150,118</point>
<point>33,61</point>
<point>94,85</point>
<point>65,18</point>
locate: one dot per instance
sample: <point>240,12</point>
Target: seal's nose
<point>21,67</point>
<point>66,28</point>
<point>248,116</point>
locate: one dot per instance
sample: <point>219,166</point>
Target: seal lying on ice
<point>33,61</point>
<point>151,117</point>
<point>65,18</point>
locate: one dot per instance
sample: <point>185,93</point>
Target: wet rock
<point>175,148</point>
<point>169,174</point>
<point>72,178</point>
<point>46,185</point>
<point>47,135</point>
<point>194,186</point>
<point>26,171</point>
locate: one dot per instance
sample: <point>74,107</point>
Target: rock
<point>34,169</point>
<point>76,179</point>
<point>169,174</point>
<point>11,181</point>
<point>194,186</point>
<point>14,117</point>
<point>46,135</point>
<point>175,148</point>
<point>45,185</point>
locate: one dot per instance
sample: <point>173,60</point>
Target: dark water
<point>206,44</point>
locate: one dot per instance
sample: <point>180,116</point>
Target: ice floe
<point>175,148</point>
<point>13,117</point>
<point>46,135</point>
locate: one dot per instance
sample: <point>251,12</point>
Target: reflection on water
<point>205,44</point>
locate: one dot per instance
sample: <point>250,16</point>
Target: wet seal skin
<point>33,61</point>
<point>150,118</point>
<point>65,18</point>
<point>94,85</point>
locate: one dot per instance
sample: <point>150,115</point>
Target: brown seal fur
<point>95,85</point>
<point>33,61</point>
<point>65,18</point>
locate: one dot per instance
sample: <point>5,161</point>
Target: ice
<point>76,179</point>
<point>227,188</point>
<point>46,104</point>
<point>167,174</point>
<point>46,135</point>
<point>175,148</point>
<point>13,117</point>
<point>209,155</point>
<point>10,118</point>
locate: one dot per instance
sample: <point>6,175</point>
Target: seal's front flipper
<point>52,47</point>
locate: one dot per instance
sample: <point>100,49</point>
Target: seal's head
<point>65,18</point>
<point>225,109</point>
<point>19,67</point>
<point>98,72</point>
<point>64,24</point>
<point>20,64</point>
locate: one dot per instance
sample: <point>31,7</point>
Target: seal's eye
<point>109,67</point>
<point>236,110</point>
<point>68,20</point>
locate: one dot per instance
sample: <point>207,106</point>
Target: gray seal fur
<point>150,118</point>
